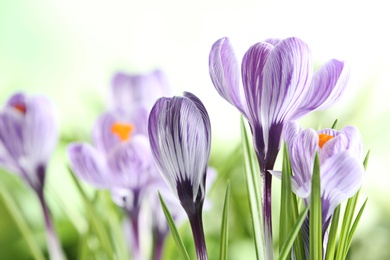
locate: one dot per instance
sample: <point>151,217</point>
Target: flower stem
<point>54,247</point>
<point>133,215</point>
<point>267,214</point>
<point>198,233</point>
<point>158,244</point>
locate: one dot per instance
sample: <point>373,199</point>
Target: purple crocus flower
<point>180,137</point>
<point>341,168</point>
<point>278,85</point>
<point>120,160</point>
<point>28,136</point>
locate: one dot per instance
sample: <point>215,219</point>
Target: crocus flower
<point>28,136</point>
<point>278,86</point>
<point>341,168</point>
<point>120,160</point>
<point>180,137</point>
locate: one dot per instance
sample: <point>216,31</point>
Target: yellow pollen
<point>122,130</point>
<point>323,138</point>
<point>20,107</point>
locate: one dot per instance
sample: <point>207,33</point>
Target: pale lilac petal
<point>287,74</point>
<point>272,41</point>
<point>355,141</point>
<point>302,151</point>
<point>11,134</point>
<point>89,165</point>
<point>131,164</point>
<point>40,131</point>
<point>224,73</point>
<point>102,136</point>
<point>291,130</point>
<point>341,178</point>
<point>252,77</point>
<point>17,99</point>
<point>129,90</point>
<point>326,88</point>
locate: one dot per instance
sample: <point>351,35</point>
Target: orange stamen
<point>122,130</point>
<point>20,107</point>
<point>323,138</point>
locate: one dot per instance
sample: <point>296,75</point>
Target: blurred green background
<point>69,50</point>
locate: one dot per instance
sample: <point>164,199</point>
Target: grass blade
<point>316,213</point>
<point>175,234</point>
<point>334,124</point>
<point>331,247</point>
<point>292,235</point>
<point>96,223</point>
<point>254,192</point>
<point>299,249</point>
<point>354,225</point>
<point>285,221</point>
<point>21,222</point>
<point>347,220</point>
<point>224,228</point>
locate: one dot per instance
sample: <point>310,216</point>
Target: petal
<point>326,88</point>
<point>272,41</point>
<point>129,90</point>
<point>287,73</point>
<point>341,178</point>
<point>102,136</point>
<point>224,73</point>
<point>40,130</point>
<point>252,77</point>
<point>302,150</point>
<point>89,165</point>
<point>11,135</point>
<point>180,141</point>
<point>131,164</point>
<point>355,141</point>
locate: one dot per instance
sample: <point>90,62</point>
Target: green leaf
<point>285,221</point>
<point>299,249</point>
<point>292,235</point>
<point>354,225</point>
<point>174,232</point>
<point>331,247</point>
<point>224,229</point>
<point>316,213</point>
<point>96,223</point>
<point>254,192</point>
<point>342,248</point>
<point>334,124</point>
<point>21,223</point>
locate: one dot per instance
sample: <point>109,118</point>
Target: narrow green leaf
<point>334,124</point>
<point>96,223</point>
<point>21,223</point>
<point>175,234</point>
<point>355,224</point>
<point>331,247</point>
<point>254,192</point>
<point>347,220</point>
<point>316,213</point>
<point>299,249</point>
<point>285,221</point>
<point>224,228</point>
<point>292,235</point>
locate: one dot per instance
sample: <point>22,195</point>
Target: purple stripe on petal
<point>287,73</point>
<point>272,41</point>
<point>326,88</point>
<point>252,77</point>
<point>88,164</point>
<point>341,178</point>
<point>224,73</point>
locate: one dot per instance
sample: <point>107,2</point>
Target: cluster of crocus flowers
<point>341,169</point>
<point>180,137</point>
<point>120,159</point>
<point>28,136</point>
<point>278,86</point>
